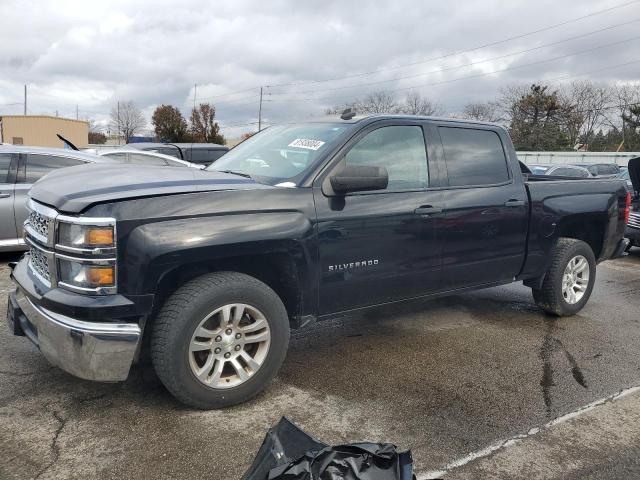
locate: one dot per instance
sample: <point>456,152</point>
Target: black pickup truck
<point>208,270</point>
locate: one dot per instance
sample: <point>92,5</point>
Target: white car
<point>145,157</point>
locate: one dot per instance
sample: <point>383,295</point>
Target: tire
<point>174,339</point>
<point>551,297</point>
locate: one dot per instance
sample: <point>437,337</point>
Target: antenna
<point>348,113</point>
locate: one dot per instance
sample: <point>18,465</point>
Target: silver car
<point>145,157</point>
<point>20,167</point>
<point>560,170</point>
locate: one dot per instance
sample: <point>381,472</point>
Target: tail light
<point>627,207</point>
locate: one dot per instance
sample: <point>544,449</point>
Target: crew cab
<point>208,270</point>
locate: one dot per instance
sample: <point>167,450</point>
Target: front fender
<point>155,248</point>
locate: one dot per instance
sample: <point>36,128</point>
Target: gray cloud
<point>94,53</point>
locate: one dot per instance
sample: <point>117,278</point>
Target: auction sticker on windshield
<point>305,143</point>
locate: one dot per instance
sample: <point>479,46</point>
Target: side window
<point>400,149</point>
<point>40,165</point>
<point>5,164</point>
<point>141,158</point>
<point>473,157</point>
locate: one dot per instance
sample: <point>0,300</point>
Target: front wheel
<point>219,339</point>
<point>569,281</point>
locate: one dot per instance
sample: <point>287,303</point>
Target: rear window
<point>473,157</point>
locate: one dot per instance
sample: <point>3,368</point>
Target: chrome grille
<point>634,220</point>
<point>39,263</point>
<point>39,223</point>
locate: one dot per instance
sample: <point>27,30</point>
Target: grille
<point>634,220</point>
<point>39,223</point>
<point>38,261</point>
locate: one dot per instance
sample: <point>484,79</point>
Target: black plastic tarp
<point>288,453</point>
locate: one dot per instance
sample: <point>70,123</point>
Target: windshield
<point>281,153</point>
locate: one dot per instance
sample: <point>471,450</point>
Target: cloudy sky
<point>308,55</point>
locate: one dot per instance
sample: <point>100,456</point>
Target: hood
<point>634,174</point>
<point>75,188</point>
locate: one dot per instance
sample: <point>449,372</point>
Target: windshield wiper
<point>246,175</point>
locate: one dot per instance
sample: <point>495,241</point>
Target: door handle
<point>5,195</point>
<point>514,203</point>
<point>427,210</point>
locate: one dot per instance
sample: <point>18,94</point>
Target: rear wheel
<point>219,339</point>
<point>569,281</point>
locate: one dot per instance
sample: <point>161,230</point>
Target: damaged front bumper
<point>93,350</point>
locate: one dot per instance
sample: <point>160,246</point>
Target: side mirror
<point>359,178</point>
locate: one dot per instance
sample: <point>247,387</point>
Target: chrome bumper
<point>93,351</point>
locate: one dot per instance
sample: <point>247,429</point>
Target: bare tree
<point>584,105</point>
<point>127,120</point>
<point>623,96</point>
<point>482,112</point>
<point>415,104</point>
<point>379,102</point>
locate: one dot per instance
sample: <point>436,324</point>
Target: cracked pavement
<point>443,378</point>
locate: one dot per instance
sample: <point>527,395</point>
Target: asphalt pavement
<point>480,385</point>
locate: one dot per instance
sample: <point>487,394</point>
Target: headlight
<point>92,276</point>
<point>85,236</point>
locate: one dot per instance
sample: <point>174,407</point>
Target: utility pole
<point>260,112</point>
<point>77,118</point>
<point>118,122</point>
<point>195,91</point>
<point>25,100</point>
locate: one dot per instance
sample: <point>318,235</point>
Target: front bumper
<point>620,249</point>
<point>101,350</point>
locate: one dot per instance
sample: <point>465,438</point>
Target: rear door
<point>34,166</point>
<point>486,209</point>
<point>8,231</point>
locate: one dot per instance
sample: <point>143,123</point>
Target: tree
<point>204,128</point>
<point>482,112</point>
<point>97,138</point>
<point>169,124</point>
<point>127,120</point>
<point>584,105</point>
<point>536,119</point>
<point>631,120</point>
<point>415,104</point>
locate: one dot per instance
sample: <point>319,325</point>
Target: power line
<point>458,52</point>
<point>483,74</point>
<point>456,67</point>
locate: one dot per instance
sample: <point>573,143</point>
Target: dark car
<point>632,232</point>
<point>200,153</point>
<point>604,170</point>
<point>211,269</point>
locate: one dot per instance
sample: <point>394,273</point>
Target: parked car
<point>214,267</point>
<point>201,153</point>
<point>624,175</point>
<point>632,232</point>
<point>146,157</point>
<point>606,170</point>
<point>20,167</point>
<point>560,170</point>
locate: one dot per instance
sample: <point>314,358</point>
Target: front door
<point>381,246</point>
<point>8,232</point>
